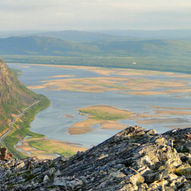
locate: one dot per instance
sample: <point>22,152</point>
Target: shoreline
<point>29,148</point>
<point>82,127</point>
<point>109,67</point>
<point>21,128</point>
<point>44,148</point>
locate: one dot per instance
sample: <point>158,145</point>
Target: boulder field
<point>133,159</point>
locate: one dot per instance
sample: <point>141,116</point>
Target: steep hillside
<point>132,160</point>
<point>13,96</point>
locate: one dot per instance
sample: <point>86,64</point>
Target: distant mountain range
<point>152,34</point>
<point>80,36</point>
<point>49,46</point>
<point>103,35</point>
<point>84,36</point>
<point>156,50</point>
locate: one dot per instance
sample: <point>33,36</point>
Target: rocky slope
<point>13,96</point>
<point>134,159</point>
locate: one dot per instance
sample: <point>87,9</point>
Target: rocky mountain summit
<point>134,159</point>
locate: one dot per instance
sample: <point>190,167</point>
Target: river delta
<point>90,104</point>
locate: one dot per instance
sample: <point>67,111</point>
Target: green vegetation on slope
<point>16,72</point>
<point>174,64</point>
<point>105,113</point>
<point>14,96</point>
<point>163,55</point>
<point>22,128</point>
<point>46,146</point>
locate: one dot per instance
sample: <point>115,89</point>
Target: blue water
<point>54,123</point>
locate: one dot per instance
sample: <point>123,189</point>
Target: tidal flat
<point>106,116</point>
<point>151,99</point>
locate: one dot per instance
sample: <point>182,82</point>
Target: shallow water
<point>54,123</point>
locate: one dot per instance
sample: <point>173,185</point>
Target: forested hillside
<point>153,54</point>
<point>49,46</point>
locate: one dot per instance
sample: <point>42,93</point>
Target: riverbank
<point>63,121</point>
<point>43,148</point>
<point>33,144</point>
<point>123,81</point>
<point>21,127</point>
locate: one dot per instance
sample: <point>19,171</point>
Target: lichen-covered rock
<point>134,159</point>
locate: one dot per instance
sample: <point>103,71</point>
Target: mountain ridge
<point>50,46</point>
<point>132,160</point>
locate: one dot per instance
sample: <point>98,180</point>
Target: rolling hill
<point>163,55</point>
<point>48,46</point>
<point>80,36</point>
<point>173,34</point>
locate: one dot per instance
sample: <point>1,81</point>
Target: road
<point>14,120</point>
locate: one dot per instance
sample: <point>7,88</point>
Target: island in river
<point>90,104</point>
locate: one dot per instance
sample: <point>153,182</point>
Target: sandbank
<point>170,108</point>
<point>134,86</point>
<point>178,126</point>
<point>172,112</point>
<point>163,120</point>
<point>106,116</point>
<point>62,76</point>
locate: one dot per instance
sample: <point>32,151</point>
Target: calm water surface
<point>53,121</point>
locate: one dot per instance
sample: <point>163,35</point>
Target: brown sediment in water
<point>144,115</point>
<point>133,85</point>
<point>82,127</point>
<point>69,116</point>
<point>170,108</point>
<point>85,126</point>
<point>114,125</point>
<point>179,90</point>
<point>172,112</point>
<point>178,126</point>
<point>146,93</point>
<point>108,118</point>
<point>129,84</point>
<point>163,120</point>
<point>62,76</point>
<point>99,70</point>
<point>119,71</point>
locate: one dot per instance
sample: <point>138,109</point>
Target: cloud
<point>94,14</point>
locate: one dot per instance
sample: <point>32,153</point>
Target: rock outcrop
<point>4,154</point>
<point>134,159</point>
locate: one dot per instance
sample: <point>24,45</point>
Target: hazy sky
<point>94,14</point>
